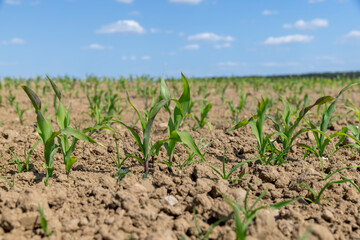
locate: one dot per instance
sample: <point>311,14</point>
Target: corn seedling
<point>223,92</point>
<point>43,222</point>
<point>63,120</point>
<point>354,130</point>
<point>10,183</point>
<point>206,236</point>
<point>226,176</point>
<point>249,212</point>
<point>316,197</point>
<point>45,130</point>
<point>103,109</point>
<point>322,140</point>
<point>257,122</point>
<point>236,110</point>
<point>23,165</point>
<point>147,149</point>
<point>20,113</point>
<point>11,98</point>
<point>286,128</point>
<point>120,173</point>
<point>201,122</point>
<point>191,155</point>
<point>181,110</point>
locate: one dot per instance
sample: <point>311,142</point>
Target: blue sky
<point>198,37</point>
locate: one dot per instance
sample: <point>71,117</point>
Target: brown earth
<point>91,204</point>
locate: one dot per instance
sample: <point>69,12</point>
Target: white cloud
<point>35,3</point>
<point>353,34</point>
<point>280,64</point>
<point>125,1</point>
<point>210,37</point>
<point>121,26</point>
<point>315,1</point>
<point>186,1</point>
<point>134,13</point>
<point>155,30</point>
<point>313,24</point>
<point>269,12</point>
<point>131,58</point>
<point>12,2</point>
<point>288,39</point>
<point>145,58</point>
<point>331,59</point>
<point>192,47</point>
<point>225,45</point>
<point>228,64</point>
<point>13,41</point>
<point>96,46</point>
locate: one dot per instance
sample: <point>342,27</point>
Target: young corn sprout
<point>321,138</point>
<point>48,136</point>
<point>226,176</point>
<point>43,222</point>
<point>236,110</point>
<point>257,122</point>
<point>23,165</point>
<point>204,110</point>
<point>120,173</point>
<point>148,150</point>
<point>286,128</point>
<point>10,183</point>
<point>200,234</point>
<point>63,120</point>
<point>354,131</point>
<point>245,214</point>
<point>20,113</point>
<point>316,197</point>
<point>11,98</point>
<point>191,155</point>
<point>181,110</point>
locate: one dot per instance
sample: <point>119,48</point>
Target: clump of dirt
<point>91,204</point>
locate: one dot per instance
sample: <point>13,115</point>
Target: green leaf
<point>319,101</point>
<point>328,185</point>
<point>69,163</point>
<point>185,97</point>
<point>164,92</point>
<point>238,165</point>
<point>134,134</point>
<point>186,138</point>
<point>205,111</point>
<point>279,205</point>
<point>44,127</point>
<point>50,149</point>
<point>142,121</point>
<point>35,100</point>
<point>340,169</point>
<point>327,116</point>
<point>151,117</point>
<point>55,88</point>
<point>303,112</point>
<point>61,116</point>
<point>242,123</point>
<point>77,134</point>
<point>308,188</point>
